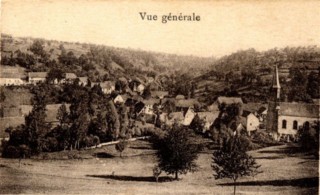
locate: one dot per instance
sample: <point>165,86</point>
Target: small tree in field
<point>232,161</point>
<point>176,151</point>
<point>121,146</point>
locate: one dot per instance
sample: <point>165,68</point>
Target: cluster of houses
<point>12,77</point>
<point>277,118</point>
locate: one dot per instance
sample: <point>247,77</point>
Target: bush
<point>21,151</point>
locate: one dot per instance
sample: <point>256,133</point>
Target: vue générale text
<point>170,17</point>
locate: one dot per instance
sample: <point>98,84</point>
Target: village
<point>159,97</point>
<point>255,116</point>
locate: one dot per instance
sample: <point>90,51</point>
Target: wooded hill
<point>98,62</point>
<point>248,74</point>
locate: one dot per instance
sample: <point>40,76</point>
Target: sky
<point>224,26</point>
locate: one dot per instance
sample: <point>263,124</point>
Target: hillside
<point>98,62</point>
<point>249,73</point>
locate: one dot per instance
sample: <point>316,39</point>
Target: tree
<point>37,47</point>
<point>176,151</point>
<point>309,138</point>
<point>232,161</point>
<point>113,121</point>
<point>121,146</point>
<point>63,115</point>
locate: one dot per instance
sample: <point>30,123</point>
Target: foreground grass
<point>285,171</point>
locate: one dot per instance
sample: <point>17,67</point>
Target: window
<point>295,125</point>
<point>284,124</point>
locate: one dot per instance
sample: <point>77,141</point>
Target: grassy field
<point>102,171</point>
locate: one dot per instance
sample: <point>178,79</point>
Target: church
<point>285,118</point>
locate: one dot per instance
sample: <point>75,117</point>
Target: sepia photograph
<point>159,97</point>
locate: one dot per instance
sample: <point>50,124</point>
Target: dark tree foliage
<point>309,138</point>
<point>113,121</point>
<point>313,85</point>
<point>79,117</point>
<point>232,161</point>
<point>176,151</point>
<point>121,146</point>
<point>37,47</point>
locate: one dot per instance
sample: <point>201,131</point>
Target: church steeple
<point>276,84</point>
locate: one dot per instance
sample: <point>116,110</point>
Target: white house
<point>251,121</point>
<point>108,87</point>
<point>140,88</point>
<point>7,78</point>
<point>120,99</point>
<point>37,77</point>
<point>189,116</point>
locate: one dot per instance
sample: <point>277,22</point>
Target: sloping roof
<point>176,116</point>
<point>159,94</point>
<point>298,109</point>
<point>229,100</point>
<point>151,101</point>
<point>186,103</point>
<point>208,116</point>
<point>107,84</point>
<point>262,109</point>
<point>245,113</point>
<point>83,79</point>
<point>180,97</point>
<point>10,75</point>
<point>70,76</point>
<point>252,107</point>
<point>37,74</point>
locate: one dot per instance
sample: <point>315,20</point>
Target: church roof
<point>298,109</point>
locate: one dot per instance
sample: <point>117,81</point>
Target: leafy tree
<point>124,120</point>
<point>63,115</point>
<point>313,85</point>
<point>37,47</point>
<point>79,116</point>
<point>309,138</point>
<point>121,146</point>
<point>55,73</point>
<point>232,161</point>
<point>176,151</point>
<point>113,121</point>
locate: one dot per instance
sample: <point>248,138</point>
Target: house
<point>213,108</point>
<point>159,94</point>
<point>229,100</point>
<point>148,108</point>
<point>37,77</point>
<point>172,118</point>
<point>284,118</point>
<point>189,116</point>
<point>69,77</point>
<point>140,89</point>
<point>262,113</point>
<point>119,99</point>
<point>83,81</point>
<point>208,118</point>
<point>251,121</point>
<point>108,87</point>
<point>185,104</point>
<point>10,78</point>
<point>180,97</point>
